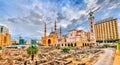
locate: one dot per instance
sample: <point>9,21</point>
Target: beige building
<point>14,42</point>
<point>107,30</point>
<point>77,36</point>
<point>4,36</point>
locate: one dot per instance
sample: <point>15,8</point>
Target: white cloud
<point>42,32</point>
<point>114,6</point>
<point>90,3</point>
<point>64,23</point>
<point>70,16</point>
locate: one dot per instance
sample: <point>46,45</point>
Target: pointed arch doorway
<point>49,42</point>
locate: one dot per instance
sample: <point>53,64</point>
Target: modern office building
<point>4,36</point>
<point>33,42</point>
<point>106,30</point>
<point>21,41</point>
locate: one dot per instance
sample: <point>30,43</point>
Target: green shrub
<point>65,49</point>
<point>106,45</point>
<point>0,48</point>
<point>15,44</point>
<point>118,46</point>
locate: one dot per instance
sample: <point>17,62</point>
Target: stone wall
<point>117,58</point>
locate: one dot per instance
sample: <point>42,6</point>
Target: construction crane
<point>92,10</point>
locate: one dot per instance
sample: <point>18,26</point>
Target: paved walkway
<point>106,59</point>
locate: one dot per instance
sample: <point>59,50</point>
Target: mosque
<point>52,38</point>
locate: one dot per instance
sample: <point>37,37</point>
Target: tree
<point>65,49</point>
<point>32,50</point>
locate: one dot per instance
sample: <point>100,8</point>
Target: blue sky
<point>25,17</point>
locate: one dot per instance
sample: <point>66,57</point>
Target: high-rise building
<point>4,36</point>
<point>106,30</point>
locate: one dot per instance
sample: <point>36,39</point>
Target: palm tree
<point>32,50</point>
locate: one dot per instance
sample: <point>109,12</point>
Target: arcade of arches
<point>74,44</point>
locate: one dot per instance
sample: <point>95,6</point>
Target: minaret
<point>92,31</point>
<point>55,27</point>
<point>60,32</point>
<point>55,30</point>
<point>44,29</point>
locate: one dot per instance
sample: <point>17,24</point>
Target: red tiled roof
<point>78,35</point>
<point>72,30</point>
<point>79,30</point>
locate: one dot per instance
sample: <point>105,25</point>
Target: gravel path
<point>107,58</point>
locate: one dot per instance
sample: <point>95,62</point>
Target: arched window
<point>5,39</point>
<point>68,44</point>
<point>75,44</point>
<point>83,44</point>
<point>71,44</point>
<point>62,44</point>
<point>1,29</point>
